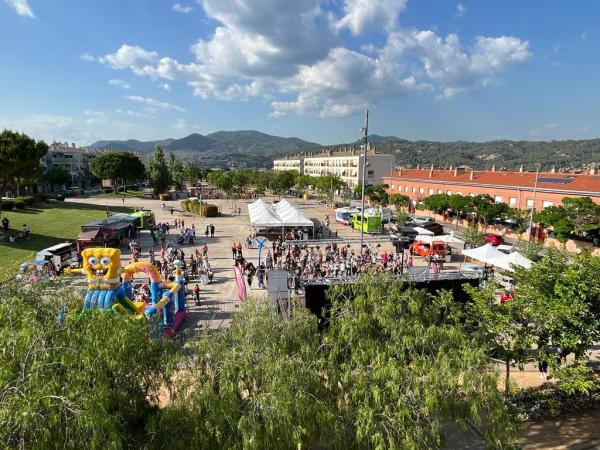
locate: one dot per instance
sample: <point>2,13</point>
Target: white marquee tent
<point>263,215</point>
<point>486,253</point>
<point>446,239</point>
<point>291,216</point>
<point>284,214</point>
<point>512,259</point>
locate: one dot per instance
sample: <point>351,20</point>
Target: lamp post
<point>362,189</point>
<point>537,170</point>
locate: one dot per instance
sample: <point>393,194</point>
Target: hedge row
<point>17,202</point>
<point>204,209</point>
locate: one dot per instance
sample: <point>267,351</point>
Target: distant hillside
<point>255,149</point>
<point>572,154</point>
<point>222,148</point>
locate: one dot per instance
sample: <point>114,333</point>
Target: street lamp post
<point>362,190</point>
<point>537,170</point>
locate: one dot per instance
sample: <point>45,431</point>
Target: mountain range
<point>255,149</point>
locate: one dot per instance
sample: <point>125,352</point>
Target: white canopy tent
<point>423,232</point>
<point>507,262</point>
<point>284,214</point>
<point>446,239</point>
<point>262,215</point>
<point>486,253</point>
<point>291,216</point>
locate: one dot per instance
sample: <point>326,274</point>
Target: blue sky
<point>83,70</point>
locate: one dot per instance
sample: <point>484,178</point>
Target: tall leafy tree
<point>19,157</point>
<point>117,165</point>
<point>177,171</point>
<point>158,171</point>
<point>56,175</point>
<point>192,173</point>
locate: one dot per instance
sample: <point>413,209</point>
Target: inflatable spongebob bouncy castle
<point>104,272</point>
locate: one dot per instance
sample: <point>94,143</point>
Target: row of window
<point>512,201</point>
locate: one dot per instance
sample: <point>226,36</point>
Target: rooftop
<point>588,182</point>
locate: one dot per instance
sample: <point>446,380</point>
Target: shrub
<point>8,205</point>
<point>552,401</point>
<point>20,203</point>
<point>210,210</point>
<point>40,198</point>
<point>107,190</point>
<point>29,200</point>
<point>164,197</point>
<point>121,189</point>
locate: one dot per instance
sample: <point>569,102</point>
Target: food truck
<point>370,223</point>
<point>59,255</point>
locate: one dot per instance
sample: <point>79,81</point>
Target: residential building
<point>291,162</point>
<point>72,159</point>
<point>346,162</point>
<point>517,189</point>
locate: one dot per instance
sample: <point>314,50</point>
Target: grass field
<point>126,194</point>
<point>50,224</point>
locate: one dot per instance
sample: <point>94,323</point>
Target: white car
<point>421,219</point>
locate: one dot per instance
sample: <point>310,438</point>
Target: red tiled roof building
<point>514,188</point>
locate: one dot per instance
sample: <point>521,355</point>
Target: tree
<point>437,203</point>
<point>240,180</point>
<point>176,170</point>
<point>583,213</point>
<point>89,378</point>
<point>192,173</point>
<point>284,181</point>
<point>377,193</point>
<point>473,236</point>
<point>117,165</point>
<point>56,175</point>
<point>107,167</point>
<point>19,157</point>
<point>220,179</point>
<point>561,295</point>
<point>158,171</point>
<point>328,184</point>
<point>500,326</point>
<point>399,200</point>
<point>389,369</point>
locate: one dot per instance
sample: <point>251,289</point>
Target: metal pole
<point>537,169</point>
<point>362,194</point>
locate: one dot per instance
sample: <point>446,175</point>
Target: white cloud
<point>21,7</point>
<point>292,55</point>
<point>165,86</point>
<point>460,10</point>
<point>183,125</point>
<point>119,83</point>
<point>41,126</point>
<point>182,8</point>
<point>87,57</point>
<point>154,103</point>
<point>364,16</point>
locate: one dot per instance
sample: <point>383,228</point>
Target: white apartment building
<point>347,163</point>
<point>294,162</point>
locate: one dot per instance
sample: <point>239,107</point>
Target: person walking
<point>233,251</point>
<point>212,230</point>
<point>123,199</point>
<point>197,294</point>
<point>206,231</point>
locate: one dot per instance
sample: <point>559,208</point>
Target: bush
<point>107,190</point>
<point>29,200</point>
<point>210,210</point>
<point>164,197</point>
<point>20,203</point>
<point>552,401</point>
<point>40,198</point>
<point>8,205</point>
<point>121,189</point>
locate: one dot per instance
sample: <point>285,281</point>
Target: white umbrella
<point>486,253</point>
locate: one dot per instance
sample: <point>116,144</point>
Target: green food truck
<point>146,218</point>
<point>370,224</point>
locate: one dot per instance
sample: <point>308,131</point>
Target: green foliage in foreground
<point>87,380</point>
<point>393,369</point>
<point>390,369</point>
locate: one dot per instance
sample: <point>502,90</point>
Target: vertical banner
<point>240,284</point>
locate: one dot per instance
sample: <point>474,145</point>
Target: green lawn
<point>126,194</point>
<point>50,224</point>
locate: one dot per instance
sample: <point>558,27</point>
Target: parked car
<point>420,219</point>
<point>493,239</point>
